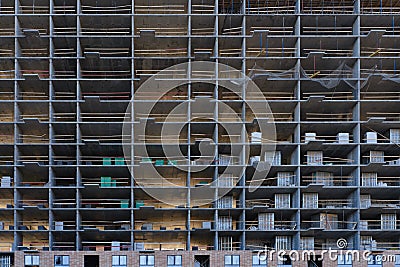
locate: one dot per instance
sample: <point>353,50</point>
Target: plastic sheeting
<point>343,73</point>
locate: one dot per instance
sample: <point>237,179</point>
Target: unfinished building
<point>69,69</point>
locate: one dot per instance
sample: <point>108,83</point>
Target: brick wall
<point>216,258</point>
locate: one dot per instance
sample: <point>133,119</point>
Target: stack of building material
<point>6,181</point>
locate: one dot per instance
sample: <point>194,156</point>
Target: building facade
<point>69,70</point>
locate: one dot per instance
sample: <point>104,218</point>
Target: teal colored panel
<point>159,162</point>
<point>119,161</point>
<point>107,161</point>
